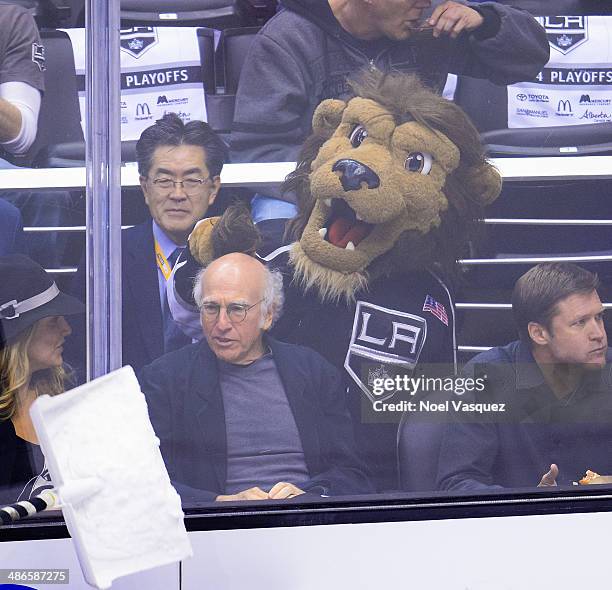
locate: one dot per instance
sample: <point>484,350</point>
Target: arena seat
<point>575,140</point>
<point>59,141</point>
<point>210,13</point>
<point>233,49</point>
<point>419,438</point>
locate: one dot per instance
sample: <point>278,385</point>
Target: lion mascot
<point>389,187</point>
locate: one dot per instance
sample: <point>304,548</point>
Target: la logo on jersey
<point>383,343</point>
<point>565,33</point>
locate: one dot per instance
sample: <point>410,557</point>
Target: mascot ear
<point>200,240</point>
<point>482,182</point>
<point>327,116</point>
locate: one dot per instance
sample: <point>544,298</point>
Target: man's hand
<point>550,477</point>
<point>452,18</point>
<point>283,490</point>
<point>250,494</point>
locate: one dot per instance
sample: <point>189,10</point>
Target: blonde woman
<point>32,334</point>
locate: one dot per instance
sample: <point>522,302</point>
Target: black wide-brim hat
<point>28,294</point>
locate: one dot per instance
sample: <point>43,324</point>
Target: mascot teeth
<point>359,218</point>
<point>350,246</point>
<point>323,232</point>
<point>328,202</point>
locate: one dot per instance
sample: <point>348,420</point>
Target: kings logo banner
<point>565,33</point>
<point>137,40</point>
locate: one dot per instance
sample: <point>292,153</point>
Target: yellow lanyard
<point>162,261</point>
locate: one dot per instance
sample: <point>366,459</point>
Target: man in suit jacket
<point>242,416</point>
<point>12,239</point>
<point>179,166</point>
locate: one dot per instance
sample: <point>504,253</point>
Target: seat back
<point>212,13</point>
<point>233,49</point>
<point>419,439</point>
<point>235,45</point>
<point>206,42</point>
<point>59,121</point>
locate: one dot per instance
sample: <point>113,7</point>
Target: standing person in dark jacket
<point>306,53</point>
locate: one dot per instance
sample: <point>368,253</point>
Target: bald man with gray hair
<point>242,416</point>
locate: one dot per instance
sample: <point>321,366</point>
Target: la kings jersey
<point>402,325</point>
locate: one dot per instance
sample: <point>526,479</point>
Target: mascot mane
<point>467,188</point>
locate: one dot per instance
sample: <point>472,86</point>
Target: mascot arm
<point>179,293</point>
<point>517,52</point>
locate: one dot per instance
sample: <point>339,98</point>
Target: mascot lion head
<point>389,181</point>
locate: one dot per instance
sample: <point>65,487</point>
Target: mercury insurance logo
<point>565,33</point>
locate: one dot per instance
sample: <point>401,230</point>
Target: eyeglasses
<point>191,186</point>
<point>236,312</point>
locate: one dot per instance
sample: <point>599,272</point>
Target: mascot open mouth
<point>343,227</point>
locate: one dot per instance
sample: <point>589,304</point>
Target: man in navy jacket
<point>180,166</point>
<point>546,410</point>
<point>242,416</point>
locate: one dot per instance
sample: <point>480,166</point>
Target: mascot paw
<point>200,240</point>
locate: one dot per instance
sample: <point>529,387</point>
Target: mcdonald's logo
<point>564,108</point>
<point>143,110</point>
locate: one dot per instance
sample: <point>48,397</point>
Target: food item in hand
<point>591,478</point>
<point>588,478</point>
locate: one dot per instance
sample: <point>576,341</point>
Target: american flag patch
<point>436,308</point>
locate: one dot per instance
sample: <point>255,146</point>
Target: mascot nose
<point>354,173</point>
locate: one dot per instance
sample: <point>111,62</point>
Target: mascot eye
<point>358,134</point>
<point>418,162</point>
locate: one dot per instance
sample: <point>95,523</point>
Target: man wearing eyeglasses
<point>179,165</point>
<point>242,416</point>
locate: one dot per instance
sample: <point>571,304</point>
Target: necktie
<point>173,336</point>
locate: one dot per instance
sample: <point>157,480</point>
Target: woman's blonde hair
<point>15,373</point>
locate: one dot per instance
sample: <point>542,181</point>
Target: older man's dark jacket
<point>186,410</point>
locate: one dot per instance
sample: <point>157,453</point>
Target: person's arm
<point>467,454</point>
<point>468,450</point>
<point>21,80</point>
<point>19,108</point>
<point>510,46</point>
<point>342,471</point>
<point>11,224</point>
<point>270,121</point>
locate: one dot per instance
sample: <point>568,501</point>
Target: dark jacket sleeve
<point>342,472</point>
<point>271,100</point>
<point>156,384</point>
<point>270,121</point>
<point>516,52</point>
<point>468,452</point>
<point>467,455</point>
